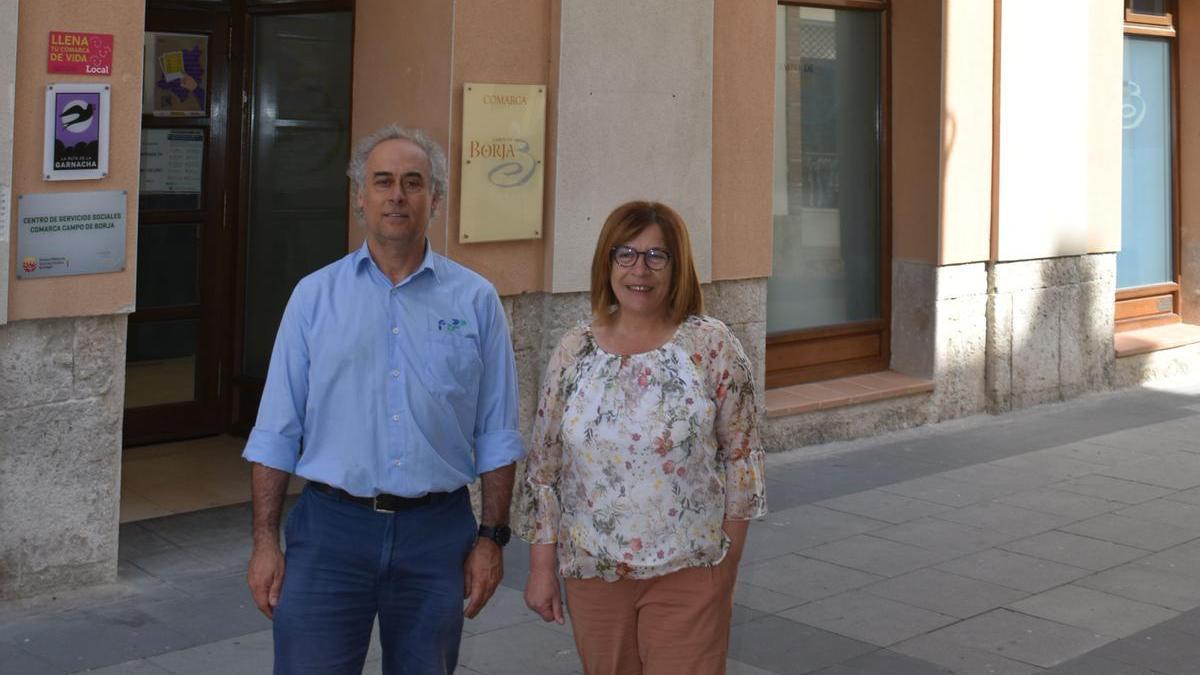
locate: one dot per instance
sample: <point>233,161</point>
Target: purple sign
<point>77,131</point>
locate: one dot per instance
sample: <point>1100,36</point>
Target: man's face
<point>396,197</point>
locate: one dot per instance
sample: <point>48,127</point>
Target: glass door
<point>297,197</point>
<point>826,297</point>
<point>174,367</point>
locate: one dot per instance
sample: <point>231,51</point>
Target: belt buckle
<point>375,504</point>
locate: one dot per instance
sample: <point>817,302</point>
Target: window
<point>827,294</point>
<point>1148,263</point>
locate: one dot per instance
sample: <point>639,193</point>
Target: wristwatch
<point>497,533</point>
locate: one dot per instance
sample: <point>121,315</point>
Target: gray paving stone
<point>869,618</point>
<point>1182,515</point>
<point>875,555</point>
<point>805,578</point>
<point>250,654</point>
<point>962,659</point>
<point>1101,454</point>
<point>1187,622</point>
<point>1091,664</point>
<point>944,537</point>
<point>1191,496</point>
<point>945,593</point>
<point>812,525</point>
<point>1049,463</point>
<point>1022,638</point>
<point>16,660</point>
<point>1022,572</point>
<point>1134,532</point>
<point>1176,471</point>
<point>733,667</point>
<point>98,637</point>
<point>885,506</point>
<point>1093,610</point>
<point>764,599</point>
<point>1183,559</point>
<point>1010,520</point>
<point>139,667</point>
<point>996,476</point>
<point>885,662</point>
<point>941,490</point>
<point>822,482</point>
<point>1061,503</point>
<point>1159,650</point>
<point>519,650</point>
<point>778,645</point>
<point>135,541</point>
<point>1114,489</point>
<point>1073,549</point>
<point>1147,584</point>
<point>782,495</point>
<point>217,616</point>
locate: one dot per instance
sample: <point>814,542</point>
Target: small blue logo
<point>451,325</point>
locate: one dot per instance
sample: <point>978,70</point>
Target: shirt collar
<point>431,261</point>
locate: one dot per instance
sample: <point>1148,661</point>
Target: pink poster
<point>80,53</point>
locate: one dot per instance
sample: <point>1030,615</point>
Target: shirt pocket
<point>452,365</point>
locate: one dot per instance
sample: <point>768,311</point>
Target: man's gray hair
<point>357,168</point>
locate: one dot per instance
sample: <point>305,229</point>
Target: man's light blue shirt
<point>402,389</point>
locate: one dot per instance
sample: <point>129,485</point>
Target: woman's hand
<point>736,531</point>
<point>541,589</point>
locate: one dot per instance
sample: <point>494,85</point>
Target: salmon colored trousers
<point>669,625</point>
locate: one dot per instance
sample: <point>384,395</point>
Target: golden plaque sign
<point>503,162</point>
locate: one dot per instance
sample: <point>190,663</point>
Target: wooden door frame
<point>245,391</point>
<point>205,414</point>
<point>798,345</point>
<point>1144,306</point>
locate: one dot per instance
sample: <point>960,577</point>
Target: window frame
<point>1147,306</point>
<point>855,348</point>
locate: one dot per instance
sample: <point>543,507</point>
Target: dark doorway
<point>245,136</point>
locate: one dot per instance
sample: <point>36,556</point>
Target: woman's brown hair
<point>625,223</point>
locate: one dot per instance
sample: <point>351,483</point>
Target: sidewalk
<point>1063,539</point>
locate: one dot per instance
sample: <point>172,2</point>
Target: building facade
<point>908,210</point>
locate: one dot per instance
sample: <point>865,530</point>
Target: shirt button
<point>395,418</point>
<point>395,330</point>
<point>398,463</point>
<point>395,373</point>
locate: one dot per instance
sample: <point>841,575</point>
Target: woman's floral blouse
<point>636,460</point>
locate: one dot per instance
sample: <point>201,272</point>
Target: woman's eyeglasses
<point>627,256</point>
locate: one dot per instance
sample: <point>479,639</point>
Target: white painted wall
<point>1060,131</point>
<point>634,122</point>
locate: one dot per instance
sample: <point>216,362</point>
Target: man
<point>391,386</point>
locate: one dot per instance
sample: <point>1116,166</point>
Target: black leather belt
<point>381,503</point>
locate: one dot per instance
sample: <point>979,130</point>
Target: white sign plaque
<point>64,233</point>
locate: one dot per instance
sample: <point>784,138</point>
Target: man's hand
<point>265,577</point>
<point>484,569</point>
<point>542,595</point>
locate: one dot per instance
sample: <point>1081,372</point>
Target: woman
<point>645,465</point>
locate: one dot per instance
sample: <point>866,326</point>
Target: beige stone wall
<point>1050,330</point>
<point>62,384</point>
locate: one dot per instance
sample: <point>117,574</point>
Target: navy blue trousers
<point>347,564</point>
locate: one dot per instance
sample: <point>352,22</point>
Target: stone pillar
<point>1050,329</point>
<point>62,384</point>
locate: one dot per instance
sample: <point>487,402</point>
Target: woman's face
<point>639,289</point>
